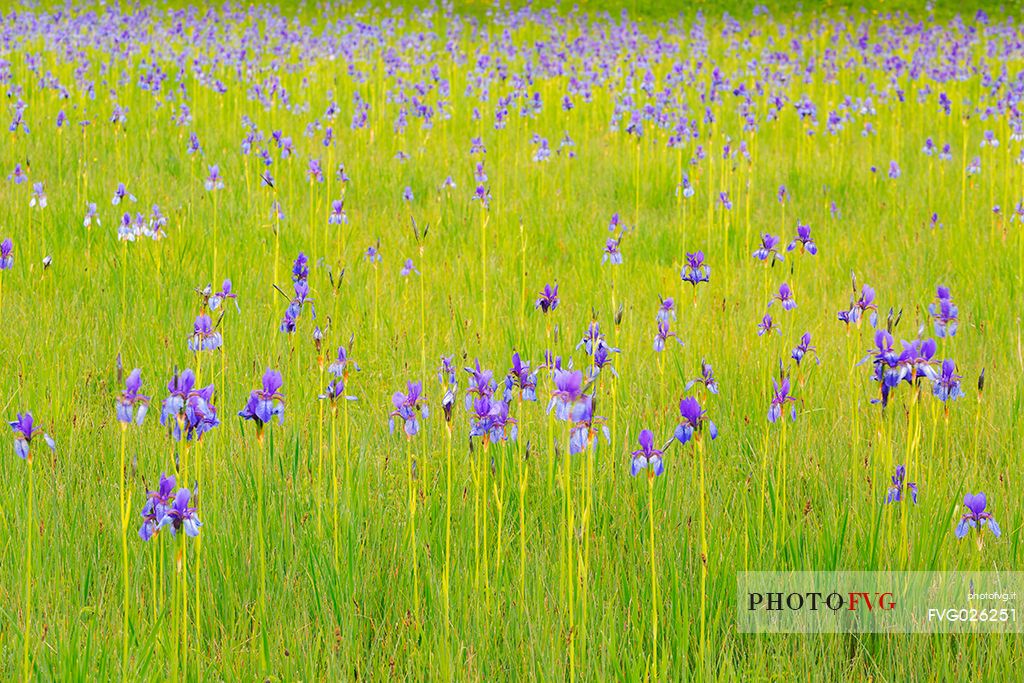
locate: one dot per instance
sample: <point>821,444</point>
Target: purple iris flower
<point>200,415</point>
<point>408,407</point>
<point>131,405</point>
<point>447,378</point>
<point>179,388</point>
<point>338,215</point>
<point>803,348</point>
<point>707,378</point>
<point>693,420</point>
<point>18,176</point>
<point>780,398</point>
<point>768,249</point>
<point>339,368</point>
<point>592,338</point>
<point>178,515</point>
<point>300,268</point>
<point>407,268</point>
<point>407,194</point>
<point>695,271</point>
<point>24,431</point>
<point>294,310</point>
<point>647,456</point>
<point>886,362</point>
<point>373,253</point>
<point>122,193</point>
<point>976,517</point>
<point>482,383</point>
<point>945,314</point>
<point>766,326</point>
<point>895,494</point>
<point>667,310</point>
<point>90,215</point>
<point>156,505</point>
<point>803,240</point>
<point>784,297</point>
<point>611,251</point>
<point>490,420</point>
<point>6,254</point>
<point>586,425</point>
<point>217,298</point>
<point>947,384</point>
<point>38,196</point>
<point>335,390</point>
<point>916,360</point>
<point>603,359</point>
<point>213,180</point>
<point>567,394</point>
<point>548,299</point>
<point>520,376</point>
<point>865,304</point>
<point>204,337</point>
<point>663,335</point>
<point>266,402</point>
<point>894,170</point>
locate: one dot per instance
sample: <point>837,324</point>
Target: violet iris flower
<point>339,368</point>
<point>768,249</point>
<point>548,299</point>
<point>586,426</point>
<point>408,267</point>
<point>694,418</point>
<point>647,456</point>
<point>218,298</point>
<point>408,407</point>
<point>803,348</point>
<point>666,311</point>
<point>449,381</point>
<point>976,517</point>
<point>803,240</point>
<point>24,431</point>
<point>6,254</point>
<point>603,359</point>
<point>945,313</point>
<point>156,505</point>
<point>865,304</point>
<point>178,515</point>
<point>695,271</point>
<point>947,384</point>
<point>213,180</point>
<point>766,326</point>
<point>780,398</point>
<point>482,383</point>
<point>663,335</point>
<point>338,215</point>
<point>707,378</point>
<point>784,297</point>
<point>520,376</point>
<point>611,251</point>
<point>567,394</point>
<point>266,402</point>
<point>895,494</point>
<point>490,420</point>
<point>592,338</point>
<point>120,194</point>
<point>131,405</point>
<point>204,337</point>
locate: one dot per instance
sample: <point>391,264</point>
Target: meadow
<point>407,287</point>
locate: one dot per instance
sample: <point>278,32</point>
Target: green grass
<point>65,326</point>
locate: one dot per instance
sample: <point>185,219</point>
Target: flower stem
<point>28,574</point>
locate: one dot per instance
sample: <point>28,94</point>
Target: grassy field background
<point>350,592</point>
